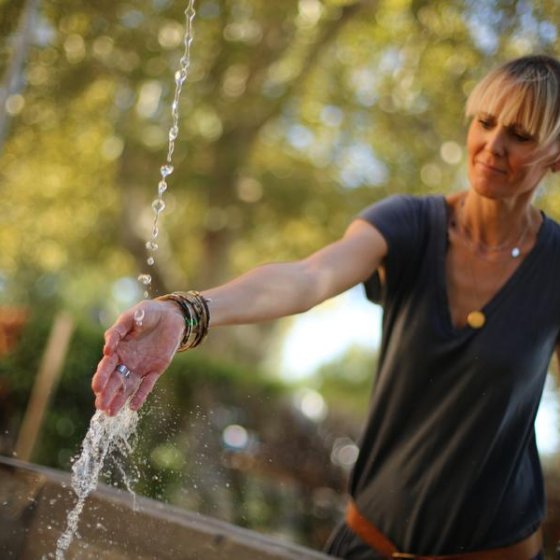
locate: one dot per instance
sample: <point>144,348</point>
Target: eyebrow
<point>514,126</point>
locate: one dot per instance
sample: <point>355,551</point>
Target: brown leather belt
<point>523,550</point>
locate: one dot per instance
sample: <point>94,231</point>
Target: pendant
<point>476,319</point>
<point>515,252</point>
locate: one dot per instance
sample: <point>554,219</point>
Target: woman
<point>469,284</point>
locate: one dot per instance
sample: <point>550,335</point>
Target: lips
<point>489,168</point>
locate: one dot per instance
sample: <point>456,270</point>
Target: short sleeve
<point>401,221</point>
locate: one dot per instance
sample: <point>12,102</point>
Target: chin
<point>489,191</point>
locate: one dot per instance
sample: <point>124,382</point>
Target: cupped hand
<point>145,347</point>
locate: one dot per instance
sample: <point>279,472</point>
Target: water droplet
<point>158,205</point>
<point>151,261</point>
<point>152,245</point>
<point>139,315</point>
<point>155,231</point>
<point>173,133</point>
<point>180,77</point>
<point>166,170</point>
<point>162,187</point>
<point>145,279</point>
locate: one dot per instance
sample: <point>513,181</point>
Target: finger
<point>117,402</point>
<point>129,386</point>
<point>112,339</point>
<point>113,336</point>
<point>105,369</point>
<point>144,390</point>
<point>106,396</point>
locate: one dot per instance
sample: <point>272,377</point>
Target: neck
<point>492,224</point>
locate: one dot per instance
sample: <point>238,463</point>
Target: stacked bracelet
<point>195,312</point>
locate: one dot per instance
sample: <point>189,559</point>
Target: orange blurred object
<point>12,321</point>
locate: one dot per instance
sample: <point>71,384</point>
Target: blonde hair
<point>524,92</point>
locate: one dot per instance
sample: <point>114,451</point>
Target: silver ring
<point>123,370</point>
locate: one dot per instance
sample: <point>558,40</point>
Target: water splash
<point>158,204</point>
<point>106,436</point>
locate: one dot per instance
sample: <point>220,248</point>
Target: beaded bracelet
<point>196,314</point>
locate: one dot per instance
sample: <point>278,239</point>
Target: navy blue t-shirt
<point>448,459</point>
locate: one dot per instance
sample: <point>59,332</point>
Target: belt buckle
<point>403,555</point>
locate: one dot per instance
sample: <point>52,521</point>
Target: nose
<point>495,141</point>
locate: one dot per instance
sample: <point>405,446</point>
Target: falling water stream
<point>108,435</point>
<point>158,204</point>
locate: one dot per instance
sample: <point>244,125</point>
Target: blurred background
<point>295,116</point>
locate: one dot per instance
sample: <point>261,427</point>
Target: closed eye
<point>521,136</point>
<point>486,120</point>
<point>486,123</point>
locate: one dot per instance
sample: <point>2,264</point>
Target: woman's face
<point>504,160</point>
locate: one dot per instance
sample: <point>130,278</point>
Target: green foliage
<point>295,116</point>
<point>71,405</point>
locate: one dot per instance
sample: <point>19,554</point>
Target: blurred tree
<point>14,69</point>
<point>295,116</point>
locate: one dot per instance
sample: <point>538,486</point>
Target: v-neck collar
<point>441,247</point>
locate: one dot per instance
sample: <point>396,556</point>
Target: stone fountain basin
<point>35,500</point>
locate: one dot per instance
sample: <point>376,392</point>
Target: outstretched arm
<point>277,290</point>
<point>265,293</point>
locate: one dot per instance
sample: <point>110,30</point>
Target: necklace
<point>476,319</point>
<point>514,250</point>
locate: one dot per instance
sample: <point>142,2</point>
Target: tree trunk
<point>13,78</point>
